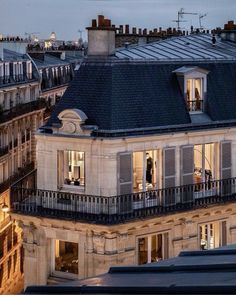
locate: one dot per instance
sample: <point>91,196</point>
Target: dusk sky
<point>66,17</point>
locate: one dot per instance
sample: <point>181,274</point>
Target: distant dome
<point>53,36</point>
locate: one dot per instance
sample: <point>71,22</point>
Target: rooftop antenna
<point>178,23</point>
<point>80,33</point>
<point>181,14</point>
<point>201,16</point>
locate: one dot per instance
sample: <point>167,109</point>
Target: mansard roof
<point>122,95</point>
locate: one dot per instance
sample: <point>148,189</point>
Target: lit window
<point>145,172</point>
<point>153,248</point>
<point>66,257</point>
<point>204,163</point>
<point>195,95</point>
<point>74,168</point>
<point>212,235</point>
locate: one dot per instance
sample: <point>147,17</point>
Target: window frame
<point>149,237</point>
<point>61,173</point>
<point>194,76</point>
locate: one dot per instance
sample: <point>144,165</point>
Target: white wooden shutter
<point>124,173</point>
<point>169,175</point>
<point>226,159</point>
<point>187,170</point>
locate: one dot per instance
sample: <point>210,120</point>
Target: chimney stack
<point>101,37</point>
<point>126,29</point>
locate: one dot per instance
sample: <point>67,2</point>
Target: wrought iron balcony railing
<point>15,177</point>
<point>195,105</point>
<point>22,109</point>
<point>116,209</point>
<point>3,151</point>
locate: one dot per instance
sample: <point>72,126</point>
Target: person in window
<point>198,99</point>
<point>149,168</point>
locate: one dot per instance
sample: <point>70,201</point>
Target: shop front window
<point>153,248</point>
<point>66,257</point>
<point>74,168</point>
<point>145,170</point>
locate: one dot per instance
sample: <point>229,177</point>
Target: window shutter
<point>169,175</point>
<point>124,173</point>
<point>166,245</point>
<point>187,169</point>
<point>223,234</point>
<point>60,169</point>
<point>225,159</point>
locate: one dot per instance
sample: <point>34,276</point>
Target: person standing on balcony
<point>149,168</point>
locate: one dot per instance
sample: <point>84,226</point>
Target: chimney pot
<point>121,30</point>
<point>100,20</point>
<point>94,23</point>
<point>134,31</point>
<point>140,31</point>
<point>126,29</point>
<point>145,32</point>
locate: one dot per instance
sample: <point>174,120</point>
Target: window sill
<point>196,112</point>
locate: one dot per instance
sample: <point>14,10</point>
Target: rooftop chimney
<point>101,37</point>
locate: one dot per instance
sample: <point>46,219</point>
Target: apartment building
<point>25,104</point>
<point>137,161</point>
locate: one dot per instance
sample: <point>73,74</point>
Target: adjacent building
<point>26,101</point>
<point>137,161</point>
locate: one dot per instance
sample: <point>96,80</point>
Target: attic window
<point>194,95</point>
<point>193,83</point>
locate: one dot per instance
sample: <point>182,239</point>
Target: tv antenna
<point>80,33</point>
<point>181,14</point>
<point>201,16</point>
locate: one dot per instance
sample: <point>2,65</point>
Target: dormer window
<point>193,84</point>
<point>194,95</point>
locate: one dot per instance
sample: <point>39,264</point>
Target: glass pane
<point>198,89</point>
<point>203,236</point>
<point>138,171</point>
<point>74,169</point>
<point>151,164</point>
<point>189,90</point>
<point>154,248</point>
<point>198,175</point>
<point>209,161</point>
<point>143,250</point>
<point>66,257</point>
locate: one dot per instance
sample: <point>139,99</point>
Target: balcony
<point>15,177</point>
<point>118,209</point>
<point>22,109</point>
<point>195,105</point>
<point>3,151</point>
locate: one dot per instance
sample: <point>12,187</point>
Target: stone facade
<point>101,247</point>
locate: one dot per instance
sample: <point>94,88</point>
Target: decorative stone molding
<point>89,243</point>
<point>99,244</point>
<point>72,121</point>
<point>122,240</point>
